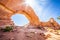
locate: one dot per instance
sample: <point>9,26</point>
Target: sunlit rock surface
<point>11,7</point>
<point>35,30</point>
<point>51,24</point>
<point>23,33</point>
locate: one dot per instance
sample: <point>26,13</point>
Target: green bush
<point>8,29</point>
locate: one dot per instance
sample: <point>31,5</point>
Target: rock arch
<point>11,7</point>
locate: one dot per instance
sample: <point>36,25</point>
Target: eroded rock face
<point>51,23</point>
<point>54,24</point>
<point>11,7</point>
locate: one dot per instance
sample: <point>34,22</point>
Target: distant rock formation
<point>51,23</point>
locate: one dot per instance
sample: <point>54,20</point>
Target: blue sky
<point>44,9</point>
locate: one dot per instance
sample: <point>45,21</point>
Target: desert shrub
<point>8,29</point>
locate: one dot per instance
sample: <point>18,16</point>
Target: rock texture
<point>51,23</point>
<point>11,7</point>
<point>35,30</point>
<point>22,34</point>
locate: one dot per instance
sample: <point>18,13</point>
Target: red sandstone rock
<point>11,7</point>
<point>51,23</point>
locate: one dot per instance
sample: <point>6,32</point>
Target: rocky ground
<point>19,33</point>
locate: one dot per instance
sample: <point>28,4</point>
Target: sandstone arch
<point>11,7</point>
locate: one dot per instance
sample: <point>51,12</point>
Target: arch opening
<point>19,19</point>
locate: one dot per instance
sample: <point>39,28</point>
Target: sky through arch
<point>20,19</point>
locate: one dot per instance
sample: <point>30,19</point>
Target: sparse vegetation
<point>7,29</point>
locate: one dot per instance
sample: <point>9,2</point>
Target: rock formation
<point>54,24</point>
<point>11,7</point>
<point>31,32</point>
<point>51,23</point>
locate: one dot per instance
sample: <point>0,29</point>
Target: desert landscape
<point>25,33</point>
<point>34,30</point>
